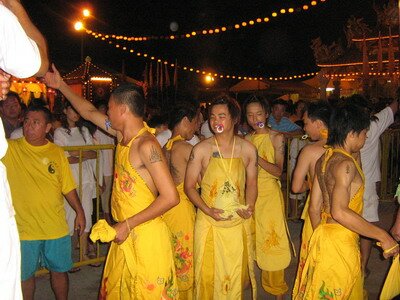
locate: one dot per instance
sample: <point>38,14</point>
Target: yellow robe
<point>223,249</point>
<point>333,268</point>
<point>142,267</point>
<point>272,241</point>
<point>306,234</point>
<point>180,221</point>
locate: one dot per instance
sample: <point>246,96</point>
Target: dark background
<point>280,47</point>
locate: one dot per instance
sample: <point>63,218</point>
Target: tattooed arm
<point>154,162</point>
<point>345,173</point>
<point>276,168</point>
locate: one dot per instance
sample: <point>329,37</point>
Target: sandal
<point>74,270</point>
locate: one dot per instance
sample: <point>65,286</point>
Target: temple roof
<point>87,70</point>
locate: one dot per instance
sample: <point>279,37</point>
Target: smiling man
<point>226,167</point>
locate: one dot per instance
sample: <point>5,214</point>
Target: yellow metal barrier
<point>293,148</point>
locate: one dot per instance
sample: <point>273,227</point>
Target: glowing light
<point>274,14</point>
<point>266,19</point>
<point>305,7</point>
<point>86,12</point>
<point>78,26</point>
<point>313,3</point>
<point>290,10</point>
<point>104,79</point>
<point>283,11</point>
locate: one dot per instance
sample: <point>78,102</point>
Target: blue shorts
<point>55,255</point>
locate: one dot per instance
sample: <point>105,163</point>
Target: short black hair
<point>232,104</point>
<point>254,99</point>
<point>279,102</point>
<point>14,95</point>
<point>319,110</point>
<point>181,110</point>
<point>132,96</point>
<point>46,112</point>
<point>157,120</point>
<point>346,118</point>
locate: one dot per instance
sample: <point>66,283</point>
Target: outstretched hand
<point>53,79</point>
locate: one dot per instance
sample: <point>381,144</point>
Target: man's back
<point>327,177</point>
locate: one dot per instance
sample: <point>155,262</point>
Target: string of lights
<point>215,30</point>
<point>356,74</point>
<point>199,71</point>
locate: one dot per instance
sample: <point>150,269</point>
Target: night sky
<point>280,47</point>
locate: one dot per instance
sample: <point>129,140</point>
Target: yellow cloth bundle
<point>103,232</point>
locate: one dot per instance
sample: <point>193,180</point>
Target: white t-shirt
<point>194,140</point>
<point>370,158</point>
<point>75,138</point>
<point>106,156</point>
<point>205,130</point>
<point>19,55</point>
<point>163,137</point>
<point>17,133</point>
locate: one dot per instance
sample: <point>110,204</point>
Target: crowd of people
<point>196,200</point>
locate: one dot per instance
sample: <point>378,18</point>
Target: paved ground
<point>85,284</point>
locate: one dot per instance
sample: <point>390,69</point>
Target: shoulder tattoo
<point>215,154</point>
<point>256,158</point>
<point>347,169</point>
<point>155,156</point>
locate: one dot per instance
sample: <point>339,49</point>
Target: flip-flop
<point>95,265</point>
<point>74,270</point>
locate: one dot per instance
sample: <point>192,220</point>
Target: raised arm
<point>344,174</point>
<point>31,31</point>
<point>84,107</point>
<point>154,161</point>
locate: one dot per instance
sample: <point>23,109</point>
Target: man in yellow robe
<point>180,219</point>
<point>272,239</point>
<point>140,263</point>
<point>226,166</point>
<point>316,119</point>
<point>333,267</point>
